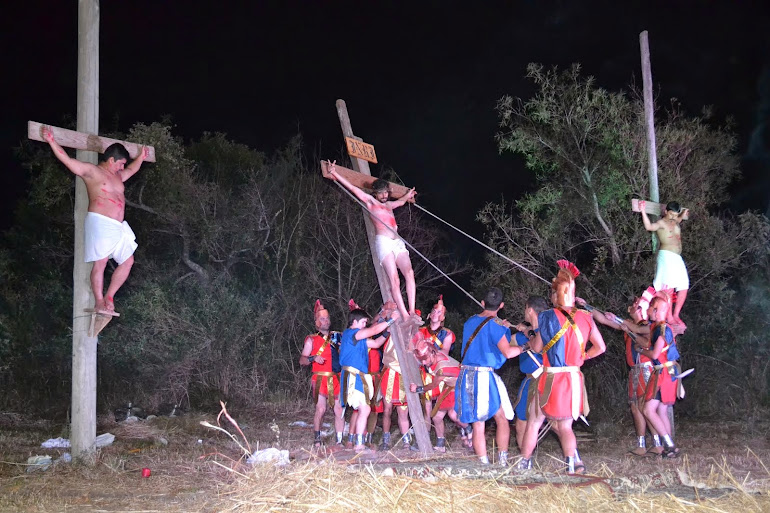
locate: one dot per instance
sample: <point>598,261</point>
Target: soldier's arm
<point>597,342</point>
<point>509,350</point>
<point>304,358</point>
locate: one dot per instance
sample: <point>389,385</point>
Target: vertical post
<point>83,429</point>
<point>409,370</point>
<point>649,119</point>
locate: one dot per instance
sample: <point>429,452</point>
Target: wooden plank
<point>81,141</point>
<point>361,150</point>
<point>652,208</point>
<point>402,332</point>
<point>364,181</point>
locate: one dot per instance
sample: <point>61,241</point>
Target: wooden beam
<point>363,181</point>
<point>652,208</point>
<point>401,332</point>
<point>83,141</point>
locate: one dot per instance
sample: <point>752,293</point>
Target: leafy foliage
<point>587,147</point>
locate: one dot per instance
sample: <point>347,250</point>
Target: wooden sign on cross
<point>81,141</point>
<point>653,208</point>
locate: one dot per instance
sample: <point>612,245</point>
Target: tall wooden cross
<point>360,176</point>
<point>86,322</point>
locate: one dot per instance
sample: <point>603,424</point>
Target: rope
<point>405,242</point>
<point>486,246</point>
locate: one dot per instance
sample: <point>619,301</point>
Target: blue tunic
<point>479,394</point>
<point>527,366</point>
<point>353,353</point>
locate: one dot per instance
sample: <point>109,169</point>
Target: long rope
<point>486,246</point>
<point>371,214</point>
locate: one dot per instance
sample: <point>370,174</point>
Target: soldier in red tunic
<point>319,351</point>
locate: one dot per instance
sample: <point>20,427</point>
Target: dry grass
<point>721,459</point>
<point>329,487</point>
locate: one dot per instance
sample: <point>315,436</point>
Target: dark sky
<point>420,79</point>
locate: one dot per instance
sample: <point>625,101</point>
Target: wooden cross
<point>650,207</point>
<point>87,142</point>
<point>401,332</point>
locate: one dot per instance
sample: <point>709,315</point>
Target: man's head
<point>381,190</point>
<point>438,314</point>
<point>321,315</point>
<point>673,209</point>
<point>117,152</point>
<point>658,309</point>
<point>355,318</point>
<point>638,310</point>
<point>563,289</point>
<point>533,307</point>
<point>493,300</point>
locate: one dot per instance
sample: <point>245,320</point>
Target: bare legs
<point>119,277</point>
<point>392,266</point>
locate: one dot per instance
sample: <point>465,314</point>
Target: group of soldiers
<point>358,369</point>
<point>552,345</point>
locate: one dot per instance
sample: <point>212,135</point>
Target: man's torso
<point>383,212</point>
<point>106,194</point>
<point>670,236</point>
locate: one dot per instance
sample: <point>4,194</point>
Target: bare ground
<point>724,467</point>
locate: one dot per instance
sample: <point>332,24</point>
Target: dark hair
<point>380,185</point>
<point>356,315</point>
<point>116,151</point>
<point>673,206</point>
<point>493,299</point>
<point>537,303</point>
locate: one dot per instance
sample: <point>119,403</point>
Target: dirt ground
<point>195,468</point>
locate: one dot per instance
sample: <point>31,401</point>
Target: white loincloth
<point>670,272</point>
<point>107,237</point>
<point>386,246</point>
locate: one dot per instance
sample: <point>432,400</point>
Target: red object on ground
<point>146,472</point>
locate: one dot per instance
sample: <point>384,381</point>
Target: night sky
<point>420,80</point>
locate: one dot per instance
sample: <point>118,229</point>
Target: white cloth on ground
<point>670,272</point>
<point>107,237</point>
<point>385,246</point>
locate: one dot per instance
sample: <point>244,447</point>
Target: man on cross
<point>670,271</point>
<point>107,235</point>
<point>391,251</point>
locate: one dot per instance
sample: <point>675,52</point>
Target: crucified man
<point>391,251</point>
<point>670,272</point>
<point>107,235</point>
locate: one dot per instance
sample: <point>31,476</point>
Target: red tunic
<point>375,362</point>
<point>661,386</point>
<point>322,347</point>
<point>556,388</point>
<point>449,368</point>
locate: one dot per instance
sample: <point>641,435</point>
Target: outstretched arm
<point>649,226</point>
<point>134,166</point>
<point>400,202</point>
<point>357,192</point>
<point>77,167</point>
